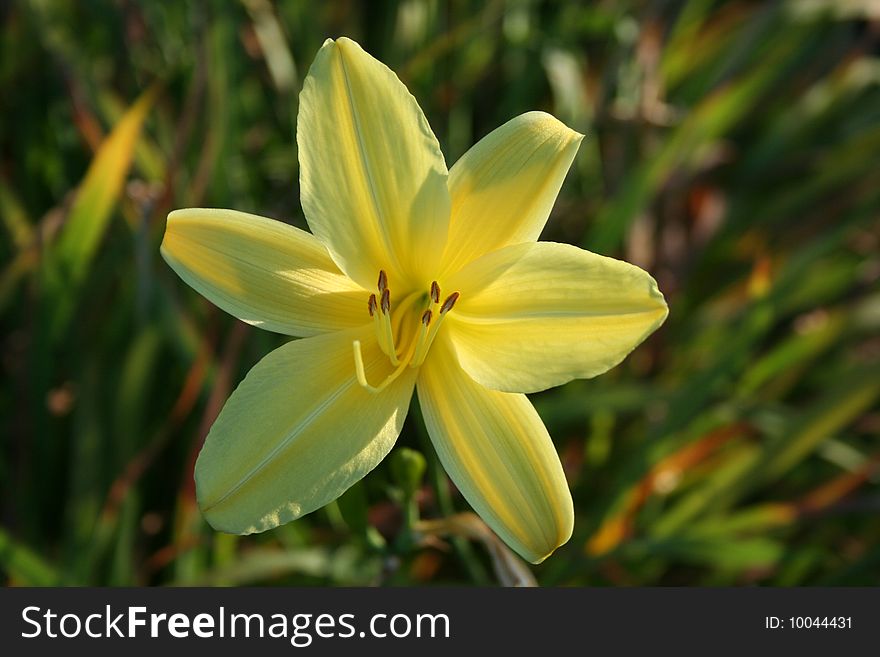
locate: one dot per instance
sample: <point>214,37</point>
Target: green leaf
<point>24,566</point>
<point>67,263</point>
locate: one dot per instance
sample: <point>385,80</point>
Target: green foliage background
<point>733,150</point>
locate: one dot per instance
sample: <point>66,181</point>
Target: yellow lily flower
<point>413,277</point>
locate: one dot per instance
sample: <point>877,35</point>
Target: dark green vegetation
<point>733,151</point>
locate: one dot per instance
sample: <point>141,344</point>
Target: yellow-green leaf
<point>99,191</point>
<point>68,261</point>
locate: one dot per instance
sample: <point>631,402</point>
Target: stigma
<point>410,346</point>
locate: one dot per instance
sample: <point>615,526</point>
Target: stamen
<point>387,335</point>
<point>449,303</point>
<point>421,342</point>
<point>385,326</point>
<point>427,335</point>
<point>373,307</point>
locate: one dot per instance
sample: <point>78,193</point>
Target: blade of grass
<point>24,567</point>
<point>67,261</point>
<point>776,457</point>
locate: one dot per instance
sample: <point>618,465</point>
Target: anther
<point>429,330</point>
<point>449,303</point>
<point>414,351</point>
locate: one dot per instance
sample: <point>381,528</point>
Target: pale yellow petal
<point>505,186</point>
<point>533,316</point>
<point>372,177</point>
<point>297,432</point>
<point>497,451</point>
<point>263,271</point>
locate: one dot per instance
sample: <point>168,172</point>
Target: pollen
<point>449,303</point>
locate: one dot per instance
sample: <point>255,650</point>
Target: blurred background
<point>733,150</point>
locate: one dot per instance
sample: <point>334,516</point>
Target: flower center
<point>418,317</point>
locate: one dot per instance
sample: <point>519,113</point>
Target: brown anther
<point>426,317</point>
<point>386,301</point>
<point>372,306</point>
<point>383,281</point>
<point>449,303</point>
<point>435,292</point>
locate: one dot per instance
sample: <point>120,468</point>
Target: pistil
<point>362,375</point>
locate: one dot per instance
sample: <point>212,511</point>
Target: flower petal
<point>297,432</point>
<point>263,271</point>
<point>534,316</point>
<point>372,177</point>
<point>504,187</point>
<point>497,451</point>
